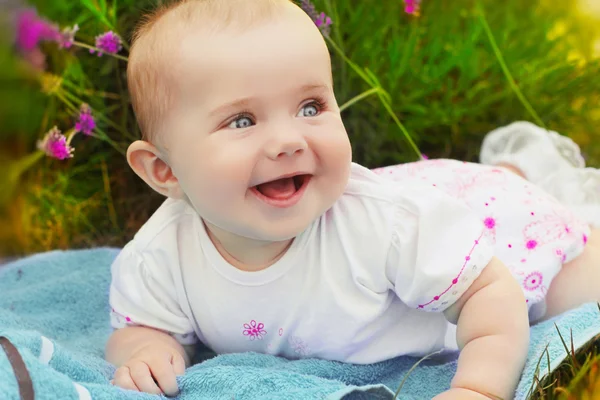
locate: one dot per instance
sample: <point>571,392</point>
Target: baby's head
<point>231,95</point>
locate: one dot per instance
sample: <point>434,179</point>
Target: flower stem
<point>100,117</point>
<point>61,97</point>
<point>25,163</point>
<point>400,126</point>
<point>507,73</point>
<point>102,136</point>
<point>380,93</point>
<point>70,135</point>
<point>358,98</point>
<point>87,46</point>
<point>90,92</point>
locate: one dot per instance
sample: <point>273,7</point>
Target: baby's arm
<point>147,359</point>
<point>493,334</point>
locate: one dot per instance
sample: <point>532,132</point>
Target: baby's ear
<point>145,160</point>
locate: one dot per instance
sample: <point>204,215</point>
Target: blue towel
<point>54,308</point>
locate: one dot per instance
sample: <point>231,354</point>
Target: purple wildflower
<point>67,37</point>
<point>109,42</point>
<point>322,21</point>
<point>31,30</point>
<point>412,7</point>
<point>310,9</point>
<point>86,122</point>
<point>55,145</point>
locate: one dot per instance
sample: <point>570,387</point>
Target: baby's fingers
<point>164,374</point>
<point>123,379</point>
<point>140,372</point>
<point>178,364</point>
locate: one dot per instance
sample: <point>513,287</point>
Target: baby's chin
<point>277,232</point>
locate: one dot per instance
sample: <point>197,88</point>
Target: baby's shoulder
<point>396,203</point>
<point>170,220</point>
<point>372,191</point>
<point>370,205</point>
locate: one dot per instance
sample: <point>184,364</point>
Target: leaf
<point>98,13</point>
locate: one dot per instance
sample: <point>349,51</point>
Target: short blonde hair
<point>149,74</point>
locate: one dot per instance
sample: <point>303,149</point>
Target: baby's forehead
<point>187,40</point>
<point>196,21</point>
<point>213,16</point>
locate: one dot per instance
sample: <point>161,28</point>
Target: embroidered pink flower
<point>55,145</point>
<point>85,122</point>
<point>533,281</point>
<point>254,330</point>
<point>490,223</point>
<point>531,244</point>
<point>299,346</point>
<point>108,42</point>
<point>31,30</point>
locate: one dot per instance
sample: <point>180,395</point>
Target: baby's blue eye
<point>309,110</point>
<point>241,122</point>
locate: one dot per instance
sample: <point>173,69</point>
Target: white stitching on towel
<point>83,393</point>
<point>47,350</point>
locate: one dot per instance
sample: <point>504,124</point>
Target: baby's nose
<point>286,148</point>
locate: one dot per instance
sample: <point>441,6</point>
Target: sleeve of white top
<point>145,295</point>
<point>438,249</point>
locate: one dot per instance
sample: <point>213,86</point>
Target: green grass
<point>445,78</point>
<point>576,378</point>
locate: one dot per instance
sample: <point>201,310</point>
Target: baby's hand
<point>151,369</point>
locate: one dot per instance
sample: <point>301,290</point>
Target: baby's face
<point>252,108</point>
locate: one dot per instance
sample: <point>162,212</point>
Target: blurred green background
<point>445,82</point>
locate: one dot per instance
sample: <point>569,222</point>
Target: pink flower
<point>55,145</point>
<point>254,330</point>
<point>412,7</point>
<point>86,122</point>
<point>108,42</point>
<point>31,30</point>
<point>67,37</point>
<point>310,9</point>
<point>323,22</point>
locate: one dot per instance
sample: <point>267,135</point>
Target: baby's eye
<point>309,110</point>
<point>241,122</point>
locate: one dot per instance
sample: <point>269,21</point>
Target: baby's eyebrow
<point>246,101</point>
<point>313,87</point>
<point>241,103</point>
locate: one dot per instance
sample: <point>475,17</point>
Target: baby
<point>272,240</point>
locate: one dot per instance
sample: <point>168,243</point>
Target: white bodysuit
<point>365,282</point>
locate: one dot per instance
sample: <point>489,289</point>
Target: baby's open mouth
<point>281,189</point>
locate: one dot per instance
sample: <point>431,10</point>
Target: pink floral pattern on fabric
<point>254,330</point>
<point>531,231</point>
<point>120,319</point>
<point>533,281</point>
<point>299,346</point>
<point>455,280</point>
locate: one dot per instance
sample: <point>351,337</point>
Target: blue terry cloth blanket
<point>54,309</point>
